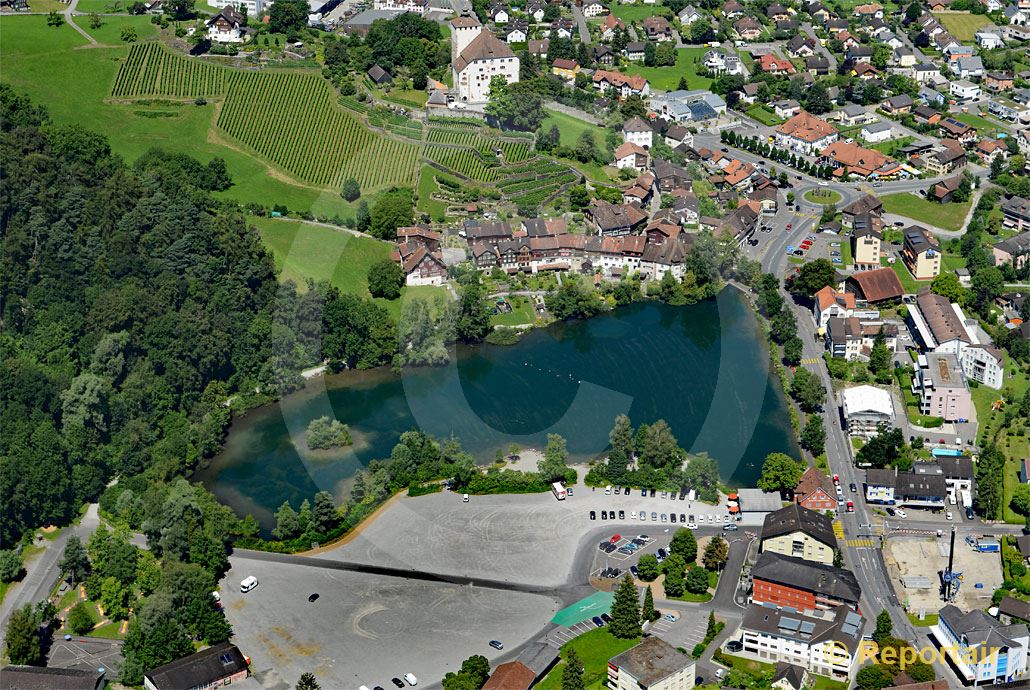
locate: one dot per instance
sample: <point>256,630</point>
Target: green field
<point>75,84</point>
<point>635,13</point>
<point>668,78</point>
<point>890,148</point>
<point>962,25</point>
<point>984,126</point>
<point>304,250</point>
<point>764,115</point>
<point>944,216</point>
<point>110,31</point>
<point>570,127</point>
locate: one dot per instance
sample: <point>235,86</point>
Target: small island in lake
<point>325,432</point>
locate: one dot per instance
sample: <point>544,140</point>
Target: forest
<point>135,308</point>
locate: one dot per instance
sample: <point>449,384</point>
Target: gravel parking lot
<point>365,629</point>
<point>530,538</point>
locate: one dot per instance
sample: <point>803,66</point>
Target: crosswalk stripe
<point>838,529</point>
<point>861,543</point>
<point>811,360</point>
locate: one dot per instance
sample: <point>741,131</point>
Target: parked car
<point>643,493</point>
<point>634,571</point>
<point>496,644</point>
<point>398,682</point>
<point>593,515</point>
<point>683,518</point>
<point>313,597</point>
<point>732,527</point>
<point>672,517</point>
<point>604,514</point>
<point>890,511</point>
<point>622,514</point>
<point>970,515</point>
<point>597,621</point>
<point>901,513</point>
<point>854,487</point>
<point>949,516</point>
<point>654,517</point>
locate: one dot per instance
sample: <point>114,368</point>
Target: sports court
<point>584,609</point>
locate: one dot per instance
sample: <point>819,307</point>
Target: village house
<point>624,86</point>
<point>614,220</point>
<point>849,160</point>
<point>770,64</point>
<point>866,239</point>
<point>815,492</point>
<point>657,29</point>
<point>805,133</point>
<point>747,29</point>
<point>829,303</point>
<point>565,69</point>
<point>876,286</point>
<point>632,156</point>
<point>226,26</point>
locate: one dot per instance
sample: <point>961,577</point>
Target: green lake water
<point>703,368</point>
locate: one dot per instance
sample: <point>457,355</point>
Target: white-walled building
<point>822,642</point>
<point>638,132</point>
<point>970,638</point>
<point>941,327</point>
<point>226,26</point>
<point>653,664</point>
<point>477,56</point>
<point>864,408</point>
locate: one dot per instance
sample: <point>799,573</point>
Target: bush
<point>424,489</point>
<point>351,189</point>
<point>697,580</point>
<point>10,566</point>
<point>80,619</point>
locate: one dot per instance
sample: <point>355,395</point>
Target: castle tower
<point>464,30</point>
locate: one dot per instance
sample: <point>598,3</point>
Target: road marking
<point>838,529</point>
<point>811,360</point>
<point>861,543</point>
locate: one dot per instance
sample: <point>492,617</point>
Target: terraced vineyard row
<point>151,70</point>
<point>290,118</point>
<point>513,151</point>
<point>463,161</point>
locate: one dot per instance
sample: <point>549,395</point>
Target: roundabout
<point>822,196</point>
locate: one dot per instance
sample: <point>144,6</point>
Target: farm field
<point>41,62</point>
<point>287,117</point>
<point>305,250</point>
<point>514,151</point>
<point>668,78</point>
<point>962,25</point>
<point>944,216</point>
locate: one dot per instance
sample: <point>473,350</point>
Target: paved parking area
<point>366,629</point>
<point>87,654</point>
<point>523,538</point>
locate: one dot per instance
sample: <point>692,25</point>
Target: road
<point>820,48</point>
<point>581,22</point>
<point>42,572</point>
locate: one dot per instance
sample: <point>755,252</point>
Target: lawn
<point>110,30</point>
<point>822,196</point>
<point>634,13</point>
<point>1013,444</point>
<point>102,7</point>
<point>594,648</point>
<point>521,313</point>
<point>944,216</point>
<point>570,127</point>
<point>42,62</point>
<point>908,281</point>
<point>928,620</point>
<point>983,126</point>
<point>890,148</point>
<point>962,25</point>
<point>668,78</point>
<point>764,115</point>
<point>110,631</point>
<point>303,250</point>
<point>427,186</point>
<point>408,97</point>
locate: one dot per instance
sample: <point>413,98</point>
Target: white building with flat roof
<point>864,408</point>
<point>653,664</point>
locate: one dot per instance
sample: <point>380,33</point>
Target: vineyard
<point>150,70</point>
<point>514,151</point>
<point>295,120</point>
<point>290,119</point>
<point>464,162</point>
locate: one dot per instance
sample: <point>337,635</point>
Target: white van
<point>464,498</point>
<point>608,490</point>
<point>248,584</point>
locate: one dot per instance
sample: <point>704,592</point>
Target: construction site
<point>919,571</point>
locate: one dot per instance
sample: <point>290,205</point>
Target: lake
<point>704,368</point>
